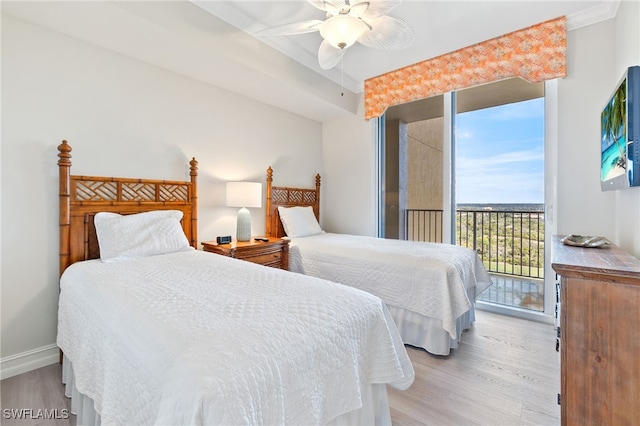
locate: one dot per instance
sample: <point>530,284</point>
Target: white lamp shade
<point>342,31</point>
<point>244,194</point>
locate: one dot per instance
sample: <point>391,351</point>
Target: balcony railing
<point>508,241</point>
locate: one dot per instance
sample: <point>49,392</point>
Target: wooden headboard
<point>81,197</point>
<point>288,197</point>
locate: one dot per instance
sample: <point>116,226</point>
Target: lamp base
<point>243,230</point>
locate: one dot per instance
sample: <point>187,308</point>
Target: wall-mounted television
<point>620,134</point>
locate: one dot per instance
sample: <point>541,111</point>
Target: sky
<point>500,154</point>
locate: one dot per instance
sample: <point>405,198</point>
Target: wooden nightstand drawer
<point>262,258</point>
<point>273,253</point>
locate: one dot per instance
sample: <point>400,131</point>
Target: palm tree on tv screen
<point>613,119</point>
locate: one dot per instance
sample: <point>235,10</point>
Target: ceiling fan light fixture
<point>348,21</point>
<point>342,31</point>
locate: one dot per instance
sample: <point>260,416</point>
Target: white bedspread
<point>198,338</point>
<point>428,278</point>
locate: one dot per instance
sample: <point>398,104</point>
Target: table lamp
<point>244,194</point>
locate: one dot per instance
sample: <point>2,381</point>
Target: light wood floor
<point>37,389</point>
<point>505,372</point>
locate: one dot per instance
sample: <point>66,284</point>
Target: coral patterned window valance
<point>536,53</point>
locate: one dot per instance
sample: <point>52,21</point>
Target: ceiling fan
<point>348,21</point>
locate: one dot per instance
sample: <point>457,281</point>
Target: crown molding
<point>607,9</point>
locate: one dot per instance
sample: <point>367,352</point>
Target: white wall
<point>122,117</point>
<point>582,207</point>
<point>627,203</point>
<point>597,57</point>
<point>348,183</point>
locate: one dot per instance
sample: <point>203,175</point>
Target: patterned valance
<point>537,53</point>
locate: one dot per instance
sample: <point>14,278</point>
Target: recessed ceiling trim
<point>601,12</point>
<point>236,17</point>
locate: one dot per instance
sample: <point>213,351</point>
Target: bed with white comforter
<point>197,338</point>
<point>429,288</point>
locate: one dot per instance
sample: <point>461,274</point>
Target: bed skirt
<point>81,405</point>
<point>375,409</point>
<point>426,332</point>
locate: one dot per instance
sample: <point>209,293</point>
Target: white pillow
<point>299,221</point>
<point>140,234</point>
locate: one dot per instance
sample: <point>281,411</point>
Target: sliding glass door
<point>468,168</point>
<point>499,173</point>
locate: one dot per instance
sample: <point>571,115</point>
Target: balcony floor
<point>520,292</point>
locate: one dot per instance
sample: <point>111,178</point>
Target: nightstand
<point>274,253</point>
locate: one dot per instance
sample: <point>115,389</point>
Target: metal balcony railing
<point>508,241</point>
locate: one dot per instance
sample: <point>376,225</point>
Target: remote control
<point>264,240</point>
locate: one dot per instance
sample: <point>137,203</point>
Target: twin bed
<point>430,289</point>
<point>156,332</point>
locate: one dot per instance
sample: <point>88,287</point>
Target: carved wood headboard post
<point>268,206</point>
<point>316,206</point>
<point>194,202</point>
<point>64,169</point>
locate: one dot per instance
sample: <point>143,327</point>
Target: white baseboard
<point>26,361</point>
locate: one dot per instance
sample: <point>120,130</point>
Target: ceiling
<point>215,42</point>
<point>439,26</point>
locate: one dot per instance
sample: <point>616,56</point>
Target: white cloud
<point>509,187</point>
<point>514,177</point>
<point>487,163</point>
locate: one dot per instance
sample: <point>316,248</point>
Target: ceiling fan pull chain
<point>342,76</point>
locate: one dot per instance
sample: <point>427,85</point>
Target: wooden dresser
<point>599,335</point>
<point>274,253</point>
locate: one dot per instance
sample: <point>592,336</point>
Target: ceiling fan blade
<point>329,56</point>
<point>328,5</point>
<point>332,9</point>
<point>387,33</point>
<point>359,9</point>
<point>319,4</point>
<point>378,7</point>
<point>293,28</point>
